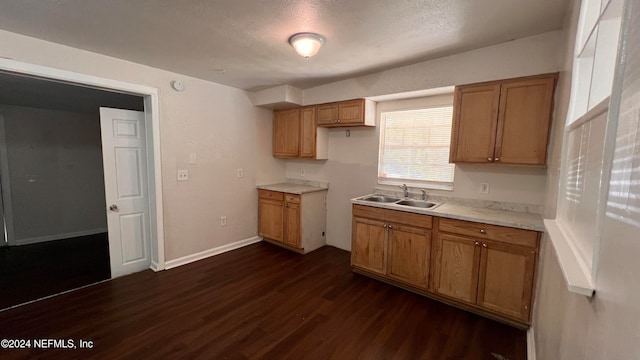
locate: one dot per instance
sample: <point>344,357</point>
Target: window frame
<point>434,101</point>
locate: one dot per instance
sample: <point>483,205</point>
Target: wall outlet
<point>223,221</point>
<point>183,175</point>
<point>484,188</point>
<point>240,173</point>
<point>302,173</point>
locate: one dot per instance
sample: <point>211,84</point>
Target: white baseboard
<point>155,266</point>
<point>39,239</point>
<point>211,252</point>
<point>531,344</point>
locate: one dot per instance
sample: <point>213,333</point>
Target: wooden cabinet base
<point>460,305</point>
<point>294,249</point>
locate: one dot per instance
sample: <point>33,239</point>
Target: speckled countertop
<point>520,220</point>
<point>291,187</point>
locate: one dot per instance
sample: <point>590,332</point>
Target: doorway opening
<point>68,92</point>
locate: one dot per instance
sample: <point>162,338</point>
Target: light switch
<point>193,159</point>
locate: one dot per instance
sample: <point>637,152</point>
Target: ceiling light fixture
<point>306,44</point>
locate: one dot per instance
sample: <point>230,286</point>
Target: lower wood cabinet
<point>369,249</point>
<point>483,268</point>
<point>506,279</point>
<point>456,267</point>
<point>271,216</point>
<point>295,221</point>
<point>383,243</point>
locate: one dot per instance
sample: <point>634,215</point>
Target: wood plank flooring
<point>258,302</point>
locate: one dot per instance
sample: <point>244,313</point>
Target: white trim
<point>154,266</point>
<point>40,239</point>
<point>576,275</point>
<point>531,344</point>
<point>211,252</point>
<point>150,95</point>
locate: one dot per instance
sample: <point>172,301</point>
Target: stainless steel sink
<point>416,203</point>
<point>380,198</point>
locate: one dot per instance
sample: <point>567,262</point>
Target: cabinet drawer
<point>485,231</point>
<point>368,212</point>
<point>292,198</point>
<point>268,194</point>
<point>402,217</point>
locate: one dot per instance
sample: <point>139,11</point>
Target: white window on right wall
<point>587,148</point>
<point>414,147</point>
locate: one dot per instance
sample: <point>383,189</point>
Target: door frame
<point>152,122</point>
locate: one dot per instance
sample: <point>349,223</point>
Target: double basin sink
<point>396,201</point>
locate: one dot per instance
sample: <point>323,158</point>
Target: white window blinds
<point>414,147</point>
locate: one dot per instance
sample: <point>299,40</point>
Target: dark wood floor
<point>258,302</point>
<point>30,272</point>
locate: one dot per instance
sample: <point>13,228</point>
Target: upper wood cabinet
<point>296,135</point>
<point>358,112</point>
<point>286,133</point>
<point>503,121</point>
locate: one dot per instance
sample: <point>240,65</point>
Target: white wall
<point>571,326</point>
<point>352,166</point>
<point>55,172</point>
<point>216,122</point>
<point>528,56</point>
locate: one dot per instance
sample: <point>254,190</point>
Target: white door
<point>126,190</point>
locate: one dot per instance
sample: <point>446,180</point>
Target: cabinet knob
<point>384,226</point>
<point>490,159</point>
<point>497,159</point>
<point>483,231</point>
<point>484,246</point>
<point>390,227</point>
<point>477,243</point>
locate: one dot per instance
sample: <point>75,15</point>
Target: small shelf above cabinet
<point>358,112</point>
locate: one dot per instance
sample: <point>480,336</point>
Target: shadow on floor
<point>31,272</point>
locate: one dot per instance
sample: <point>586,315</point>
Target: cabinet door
<point>327,114</point>
<point>409,254</point>
<point>455,270</point>
<point>475,114</point>
<point>292,224</point>
<point>308,132</point>
<point>286,133</point>
<point>351,112</point>
<point>369,245</point>
<point>270,219</point>
<point>506,279</point>
<point>524,121</point>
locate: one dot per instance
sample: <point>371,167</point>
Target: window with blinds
<point>414,148</point>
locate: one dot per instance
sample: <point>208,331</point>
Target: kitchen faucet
<point>405,191</point>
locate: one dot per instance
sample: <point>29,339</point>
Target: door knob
<point>113,207</point>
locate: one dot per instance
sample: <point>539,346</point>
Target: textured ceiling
<point>248,38</point>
